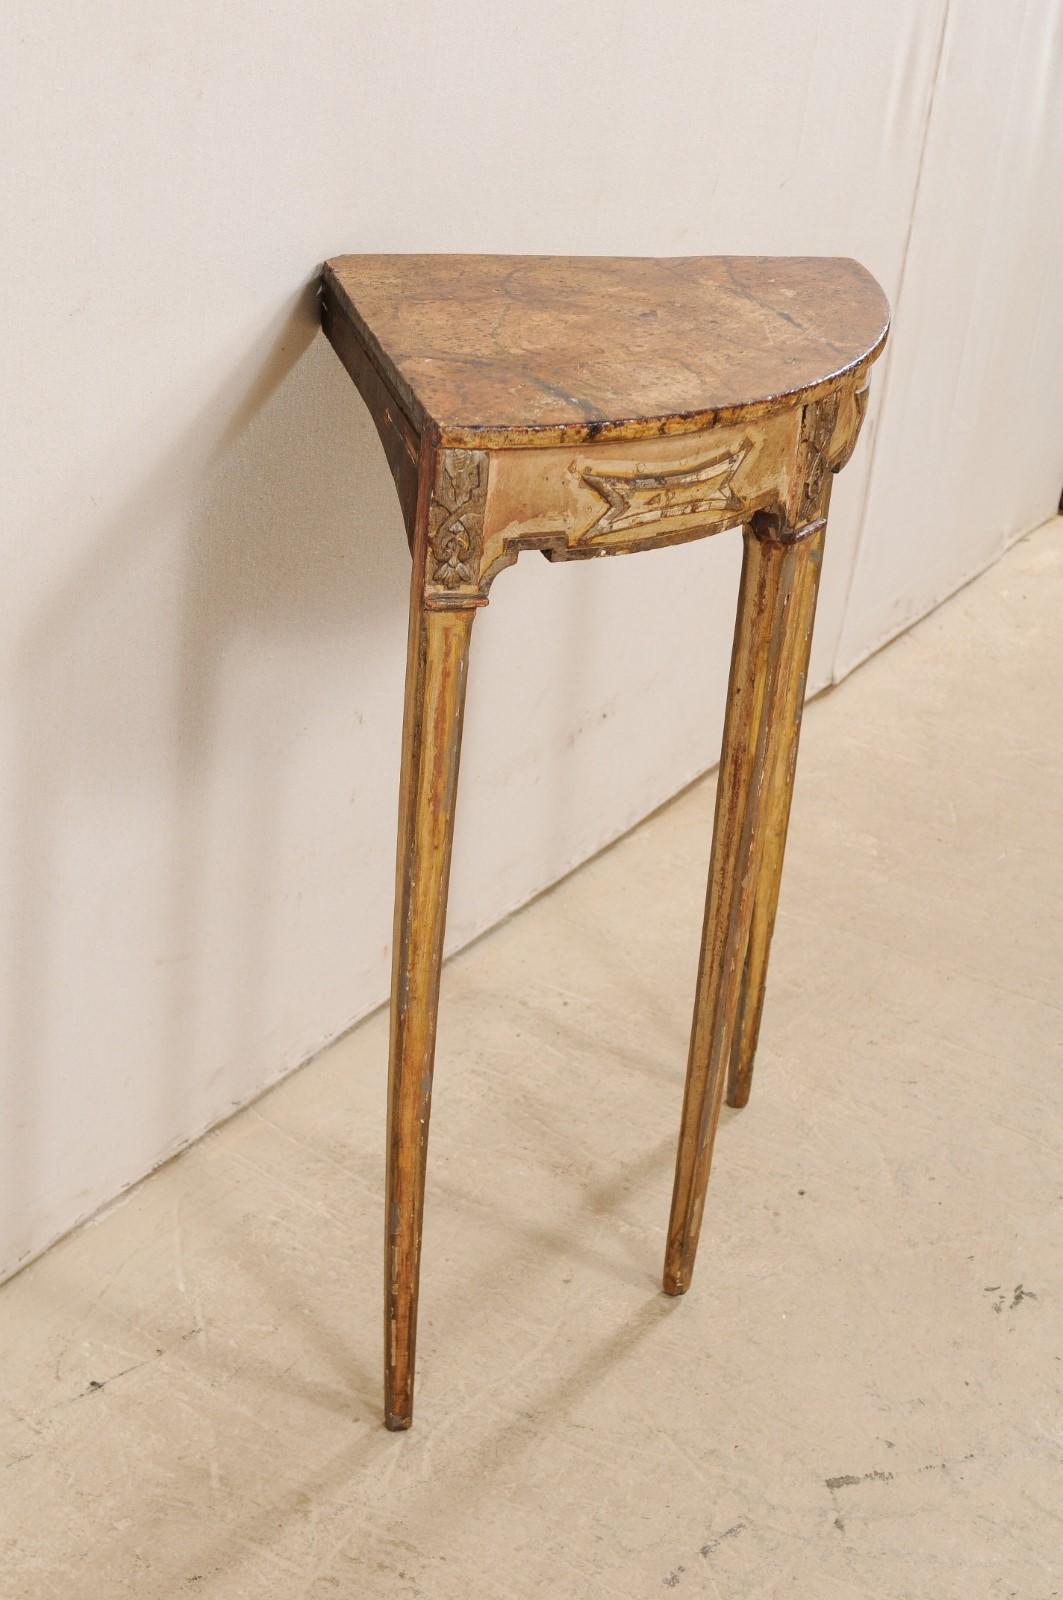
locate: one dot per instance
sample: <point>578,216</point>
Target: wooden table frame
<point>474,496</point>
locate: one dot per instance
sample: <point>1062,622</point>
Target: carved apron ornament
<point>640,499</point>
<point>817,426</point>
<point>456,518</point>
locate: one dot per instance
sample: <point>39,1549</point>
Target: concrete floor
<point>860,1396</point>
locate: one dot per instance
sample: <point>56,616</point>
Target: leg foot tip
<point>396,1424</point>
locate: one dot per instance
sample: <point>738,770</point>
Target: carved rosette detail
<point>456,519</point>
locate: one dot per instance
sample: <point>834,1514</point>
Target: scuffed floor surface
<point>859,1397</point>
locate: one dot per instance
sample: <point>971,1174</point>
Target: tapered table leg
<point>780,794</point>
<point>775,607</point>
<point>435,697</point>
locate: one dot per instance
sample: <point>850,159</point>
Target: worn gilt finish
<point>588,407</point>
<point>456,520</point>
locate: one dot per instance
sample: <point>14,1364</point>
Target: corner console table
<point>586,407</point>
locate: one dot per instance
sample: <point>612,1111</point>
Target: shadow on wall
<point>273,547</point>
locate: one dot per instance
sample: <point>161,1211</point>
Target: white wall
<point>203,609</point>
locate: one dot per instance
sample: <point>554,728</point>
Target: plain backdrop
<point>203,603</point>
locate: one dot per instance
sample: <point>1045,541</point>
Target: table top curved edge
<point>451,432</point>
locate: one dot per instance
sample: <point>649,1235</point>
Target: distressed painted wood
<point>776,604</point>
<point>590,407</point>
<point>436,669</point>
<point>779,785</point>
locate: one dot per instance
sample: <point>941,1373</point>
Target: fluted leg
<point>775,609</point>
<point>435,698</point>
<point>780,794</point>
